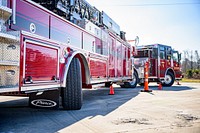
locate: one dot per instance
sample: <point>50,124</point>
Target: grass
<point>190,80</point>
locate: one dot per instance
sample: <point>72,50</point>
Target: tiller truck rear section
<point>63,45</point>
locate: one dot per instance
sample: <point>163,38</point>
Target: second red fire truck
<point>164,64</point>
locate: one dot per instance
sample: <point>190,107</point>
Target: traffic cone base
<point>146,90</point>
<point>178,83</point>
<point>111,90</point>
<point>160,86</point>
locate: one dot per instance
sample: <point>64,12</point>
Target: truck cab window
<point>162,54</point>
<point>169,53</point>
<point>155,53</point>
<point>175,56</point>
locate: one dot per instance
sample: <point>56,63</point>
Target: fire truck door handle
<point>13,47</point>
<point>11,72</point>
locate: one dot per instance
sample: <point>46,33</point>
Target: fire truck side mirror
<point>179,56</point>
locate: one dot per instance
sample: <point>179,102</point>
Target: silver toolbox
<point>9,51</point>
<point>9,76</point>
<point>2,26</point>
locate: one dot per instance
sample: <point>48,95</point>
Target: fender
<point>168,70</point>
<point>135,71</point>
<point>68,60</point>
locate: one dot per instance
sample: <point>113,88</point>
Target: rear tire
<point>131,84</point>
<point>107,84</point>
<point>141,84</point>
<point>169,80</point>
<point>72,94</point>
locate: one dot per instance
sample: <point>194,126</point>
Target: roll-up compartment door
<point>40,62</point>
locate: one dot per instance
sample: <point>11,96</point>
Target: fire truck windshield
<point>147,52</point>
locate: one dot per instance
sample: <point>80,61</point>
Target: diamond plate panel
<point>9,76</point>
<point>9,51</point>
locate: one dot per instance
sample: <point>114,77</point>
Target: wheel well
<point>135,71</point>
<point>170,70</point>
<point>84,68</point>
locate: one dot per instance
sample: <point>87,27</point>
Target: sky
<point>170,22</point>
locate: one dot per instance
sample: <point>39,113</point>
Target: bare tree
<point>197,59</point>
<point>185,61</point>
<point>191,60</point>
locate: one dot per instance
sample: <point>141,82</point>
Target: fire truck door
<point>154,62</point>
<point>111,58</point>
<point>162,62</point>
<point>118,58</point>
<point>41,62</point>
<point>124,61</point>
<point>153,67</point>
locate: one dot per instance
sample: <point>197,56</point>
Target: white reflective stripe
<point>146,80</point>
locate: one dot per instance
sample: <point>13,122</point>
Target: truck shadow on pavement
<point>17,117</point>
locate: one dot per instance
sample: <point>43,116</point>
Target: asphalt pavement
<point>170,110</point>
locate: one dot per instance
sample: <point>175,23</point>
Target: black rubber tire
<point>172,80</point>
<point>141,84</point>
<point>72,96</point>
<point>123,86</point>
<point>131,84</point>
<point>107,84</point>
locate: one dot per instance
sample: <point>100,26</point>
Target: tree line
<point>191,64</point>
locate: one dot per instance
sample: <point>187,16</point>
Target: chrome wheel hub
<point>168,79</point>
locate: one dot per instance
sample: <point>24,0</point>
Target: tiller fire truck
<point>164,64</point>
<point>62,45</point>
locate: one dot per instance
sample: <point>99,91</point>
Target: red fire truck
<point>164,64</point>
<point>63,45</point>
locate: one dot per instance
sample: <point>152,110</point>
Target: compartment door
<point>41,62</point>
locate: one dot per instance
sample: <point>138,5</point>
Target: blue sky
<point>157,21</point>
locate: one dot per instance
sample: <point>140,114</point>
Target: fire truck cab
<point>164,64</point>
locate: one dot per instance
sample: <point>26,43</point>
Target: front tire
<point>169,79</point>
<point>72,96</point>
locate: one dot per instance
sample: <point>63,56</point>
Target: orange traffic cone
<point>146,76</point>
<point>160,86</point>
<point>111,90</point>
<point>178,83</point>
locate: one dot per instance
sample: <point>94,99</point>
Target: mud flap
<point>46,100</point>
